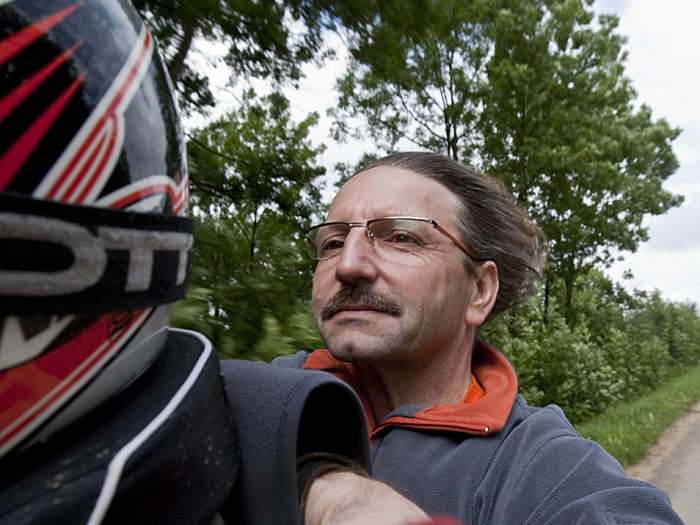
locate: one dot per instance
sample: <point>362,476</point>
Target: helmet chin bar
<point>134,357</point>
<point>34,391</point>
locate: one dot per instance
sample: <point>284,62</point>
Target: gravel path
<point>674,465</point>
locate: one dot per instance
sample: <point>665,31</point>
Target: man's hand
<point>345,498</point>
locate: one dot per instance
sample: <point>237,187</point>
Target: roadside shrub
<point>612,346</point>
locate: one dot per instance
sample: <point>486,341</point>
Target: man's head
<point>386,296</point>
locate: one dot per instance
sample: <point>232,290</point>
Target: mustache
<point>354,296</point>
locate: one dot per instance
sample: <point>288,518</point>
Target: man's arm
<point>281,414</point>
<point>553,475</point>
<point>347,498</point>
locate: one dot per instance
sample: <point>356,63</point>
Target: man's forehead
<point>386,191</point>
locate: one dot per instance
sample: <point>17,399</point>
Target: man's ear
<point>483,293</point>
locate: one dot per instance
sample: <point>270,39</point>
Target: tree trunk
<point>177,64</point>
<point>547,291</point>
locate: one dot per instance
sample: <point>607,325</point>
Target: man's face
<point>372,308</point>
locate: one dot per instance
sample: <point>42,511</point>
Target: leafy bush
<point>614,347</point>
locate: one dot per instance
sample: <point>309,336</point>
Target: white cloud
<point>664,55</point>
<point>679,229</point>
<point>674,274</point>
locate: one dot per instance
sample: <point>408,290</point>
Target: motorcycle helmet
<point>94,247</point>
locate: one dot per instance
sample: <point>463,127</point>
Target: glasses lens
<point>400,235</point>
<point>327,240</point>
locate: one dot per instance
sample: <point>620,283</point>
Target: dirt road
<point>674,465</point>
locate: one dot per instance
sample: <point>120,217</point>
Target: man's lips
<point>356,309</point>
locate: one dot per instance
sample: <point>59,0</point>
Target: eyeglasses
<point>390,236</point>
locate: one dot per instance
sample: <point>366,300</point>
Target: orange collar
<point>484,409</point>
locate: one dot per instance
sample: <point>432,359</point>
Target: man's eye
<point>330,246</point>
<point>399,237</point>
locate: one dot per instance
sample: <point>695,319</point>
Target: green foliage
<point>673,325</point>
<point>256,187</point>
<point>269,39</point>
<point>345,171</point>
<point>557,364</point>
<point>618,346</point>
<point>257,35</point>
<point>296,333</point>
<point>562,132</point>
<point>418,75</point>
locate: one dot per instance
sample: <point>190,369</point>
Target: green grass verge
<point>628,429</point>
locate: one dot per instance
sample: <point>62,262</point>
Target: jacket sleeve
<point>279,414</point>
<point>291,361</point>
<point>546,473</point>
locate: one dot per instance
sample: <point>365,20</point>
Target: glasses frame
<point>370,235</point>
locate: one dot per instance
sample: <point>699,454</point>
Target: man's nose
<point>357,260</point>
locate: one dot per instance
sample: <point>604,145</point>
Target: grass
<point>628,429</point>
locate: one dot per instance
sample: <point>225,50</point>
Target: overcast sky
<point>664,65</point>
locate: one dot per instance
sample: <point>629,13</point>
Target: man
<point>106,415</point>
<point>417,253</point>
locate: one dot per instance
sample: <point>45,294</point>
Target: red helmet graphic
<point>93,185</point>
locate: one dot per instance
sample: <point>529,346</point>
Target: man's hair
<point>492,224</point>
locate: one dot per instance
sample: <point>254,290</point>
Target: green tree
<point>561,130</point>
<point>256,186</point>
<point>532,92</point>
<point>675,325</point>
<point>256,33</point>
<point>263,38</point>
<point>418,76</point>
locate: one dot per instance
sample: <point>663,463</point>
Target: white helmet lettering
<point>86,270</point>
<point>89,255</point>
<point>141,245</point>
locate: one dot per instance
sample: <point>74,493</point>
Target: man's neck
<point>391,385</point>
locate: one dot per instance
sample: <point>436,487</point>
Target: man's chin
<point>357,348</point>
